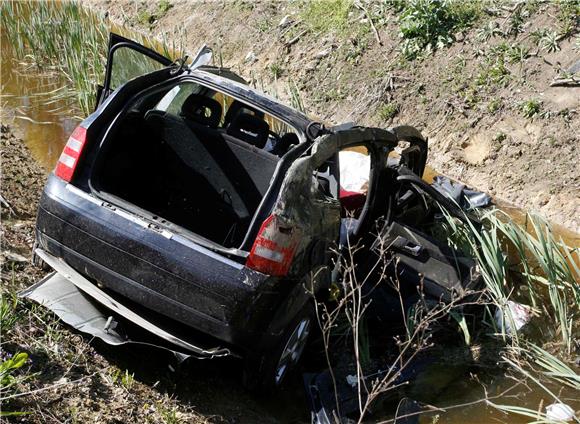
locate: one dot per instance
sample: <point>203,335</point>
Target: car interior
<point>196,158</point>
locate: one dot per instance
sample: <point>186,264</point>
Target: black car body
<point>227,237</point>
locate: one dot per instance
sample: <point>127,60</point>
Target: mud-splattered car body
<point>206,289</point>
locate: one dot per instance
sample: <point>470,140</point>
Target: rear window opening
<point>194,157</point>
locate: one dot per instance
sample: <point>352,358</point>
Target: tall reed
<point>67,39</point>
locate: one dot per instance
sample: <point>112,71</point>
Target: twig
<point>368,15</point>
<point>42,389</point>
<point>295,39</point>
<point>565,82</point>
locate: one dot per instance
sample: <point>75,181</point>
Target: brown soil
<point>477,133</point>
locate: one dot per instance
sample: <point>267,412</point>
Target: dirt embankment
<point>470,99</point>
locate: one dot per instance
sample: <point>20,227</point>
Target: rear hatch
<point>131,249</point>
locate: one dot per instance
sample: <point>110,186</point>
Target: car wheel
<point>268,370</point>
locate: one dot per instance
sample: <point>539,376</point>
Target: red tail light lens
<point>69,157</point>
<point>274,248</point>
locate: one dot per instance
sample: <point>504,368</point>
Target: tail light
<point>69,157</point>
<point>274,248</point>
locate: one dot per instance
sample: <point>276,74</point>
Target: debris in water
<point>520,313</point>
<point>559,412</point>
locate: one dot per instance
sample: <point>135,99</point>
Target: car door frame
<point>116,42</point>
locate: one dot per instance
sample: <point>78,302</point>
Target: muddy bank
<point>473,116</point>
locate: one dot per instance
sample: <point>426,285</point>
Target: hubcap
<point>293,349</point>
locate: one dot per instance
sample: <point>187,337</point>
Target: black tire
<point>262,372</point>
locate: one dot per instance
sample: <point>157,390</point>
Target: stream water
<point>45,129</point>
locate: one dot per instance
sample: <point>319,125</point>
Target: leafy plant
<point>517,53</point>
<point>10,378</point>
<point>530,108</point>
<point>426,25</point>
<point>568,16</point>
<point>388,111</point>
<point>517,19</point>
<point>489,30</point>
<point>8,315</point>
<point>164,6</point>
<point>494,105</point>
<point>276,70</point>
<point>546,40</point>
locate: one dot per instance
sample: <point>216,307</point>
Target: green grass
<point>327,15</point>
<point>568,17</point>
<point>277,70</point>
<point>388,111</point>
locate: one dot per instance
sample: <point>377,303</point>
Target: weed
<point>500,137</point>
<point>546,40</point>
<point>517,53</point>
<point>146,18</point>
<point>263,25</point>
<point>169,415</point>
<point>491,29</point>
<point>494,105</point>
<point>66,38</point>
<point>10,377</point>
<point>356,47</point>
<point>276,70</point>
<point>517,19</point>
<point>128,380</point>
<point>530,108</point>
<point>295,96</point>
<point>164,6</point>
<point>568,16</point>
<point>493,73</point>
<point>8,314</point>
<point>124,378</point>
<point>388,111</point>
<point>426,25</point>
<point>327,15</point>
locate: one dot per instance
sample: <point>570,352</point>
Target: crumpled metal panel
<point>79,311</point>
<point>78,302</point>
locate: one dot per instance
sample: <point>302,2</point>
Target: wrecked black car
<point>201,209</point>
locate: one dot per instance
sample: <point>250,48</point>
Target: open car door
<point>126,60</point>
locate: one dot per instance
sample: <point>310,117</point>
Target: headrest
<point>250,129</point>
<point>203,110</point>
<point>284,144</point>
<point>238,107</point>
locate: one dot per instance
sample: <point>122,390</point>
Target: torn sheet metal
<point>78,310</point>
<point>64,271</point>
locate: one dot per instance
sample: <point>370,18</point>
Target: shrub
<point>388,111</point>
<point>530,108</point>
<point>430,24</point>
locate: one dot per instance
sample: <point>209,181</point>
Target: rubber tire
<point>260,369</point>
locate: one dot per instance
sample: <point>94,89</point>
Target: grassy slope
<point>487,106</point>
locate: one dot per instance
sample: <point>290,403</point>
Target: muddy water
<point>45,127</point>
<point>43,123</point>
